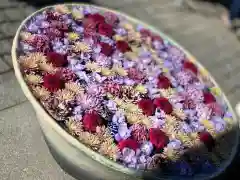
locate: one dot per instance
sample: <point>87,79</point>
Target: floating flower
<point>106,49</point>
<point>74,87</point>
<point>66,74</point>
<point>89,139</point>
<point>89,102</point>
<point>62,9</point>
<point>158,138</point>
<point>58,60</point>
<point>128,143</point>
<point>111,18</point>
<point>74,127</point>
<point>163,104</point>
<point>73,36</point>
<point>52,82</point>
<point>207,139</point>
<point>209,98</point>
<point>122,46</point>
<point>146,148</point>
<point>34,79</point>
<point>187,65</point>
<point>41,92</point>
<point>91,121</point>
<point>147,106</point>
<point>111,150</point>
<point>105,29</point>
<point>65,95</point>
<point>139,132</point>
<point>77,14</point>
<point>82,47</point>
<point>163,82</point>
<point>47,67</point>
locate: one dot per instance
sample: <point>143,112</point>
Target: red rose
<point>107,49</point>
<point>91,121</point>
<point>147,106</point>
<point>97,18</point>
<point>158,138</point>
<point>53,82</point>
<point>207,139</point>
<point>123,46</point>
<point>163,104</point>
<point>190,66</point>
<point>209,98</point>
<point>58,60</point>
<point>105,29</point>
<point>163,82</point>
<point>217,109</point>
<point>128,143</point>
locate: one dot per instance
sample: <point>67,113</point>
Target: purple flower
<point>174,144</point>
<point>146,148</point>
<point>121,31</point>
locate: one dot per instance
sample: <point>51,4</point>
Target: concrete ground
<point>23,153</point>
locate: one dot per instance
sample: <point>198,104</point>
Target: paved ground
<point>23,153</point>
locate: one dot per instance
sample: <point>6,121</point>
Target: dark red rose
<point>128,143</point>
<point>107,49</point>
<point>90,23</point>
<point>53,82</point>
<point>145,33</point>
<point>58,60</point>
<point>163,104</point>
<point>158,138</point>
<point>105,29</point>
<point>209,98</point>
<point>147,106</point>
<point>91,121</point>
<point>123,46</point>
<point>187,65</point>
<point>207,139</point>
<point>163,82</point>
<point>97,18</point>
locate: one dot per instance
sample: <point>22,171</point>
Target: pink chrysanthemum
<point>139,132</point>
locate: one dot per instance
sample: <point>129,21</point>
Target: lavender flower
<point>146,148</point>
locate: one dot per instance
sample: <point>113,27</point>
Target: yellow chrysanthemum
<point>207,124</point>
<point>77,14</point>
<point>74,87</point>
<point>65,95</point>
<point>134,37</point>
<point>141,89</point>
<point>127,26</point>
<point>26,36</point>
<point>81,47</point>
<point>89,139</point>
<point>74,127</point>
<point>170,119</point>
<point>107,72</point>
<point>41,92</point>
<point>47,67</point>
<point>110,151</point>
<point>34,79</point>
<point>171,154</point>
<point>91,66</point>
<point>216,91</point>
<point>119,70</point>
<point>73,36</point>
<point>119,38</point>
<point>130,55</point>
<point>179,113</point>
<point>62,9</point>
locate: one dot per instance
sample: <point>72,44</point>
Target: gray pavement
<point>23,152</point>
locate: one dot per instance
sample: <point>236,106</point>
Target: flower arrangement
<point>124,91</point>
